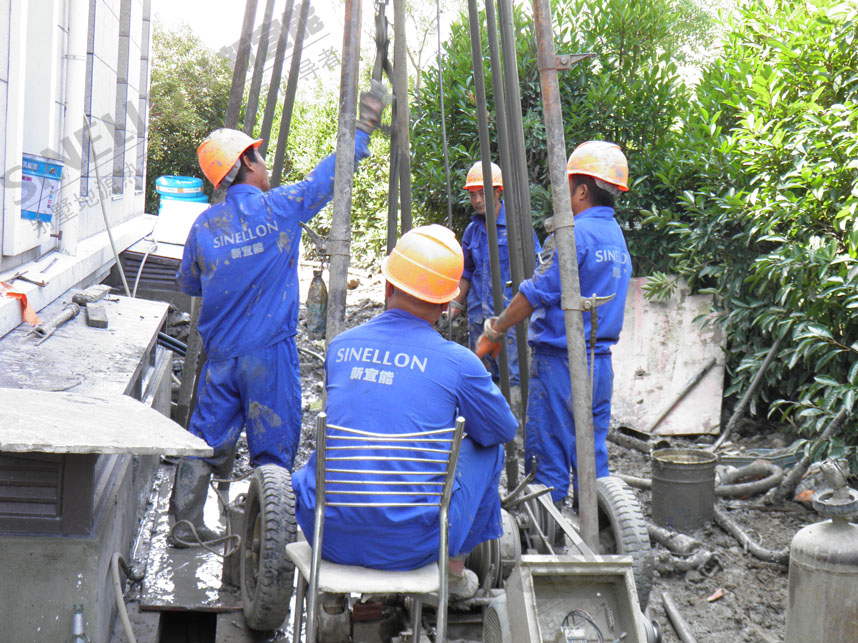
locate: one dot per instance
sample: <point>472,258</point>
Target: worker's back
<point>396,374</point>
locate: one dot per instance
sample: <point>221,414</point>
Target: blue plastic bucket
<point>180,188</point>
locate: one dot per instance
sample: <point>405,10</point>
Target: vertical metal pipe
<point>289,100</point>
<point>564,225</point>
<point>339,239</point>
<point>444,119</point>
<point>516,131</point>
<point>239,71</point>
<point>512,230</point>
<point>258,67</point>
<point>485,153</point>
<point>393,185</point>
<point>403,114</point>
<point>276,74</point>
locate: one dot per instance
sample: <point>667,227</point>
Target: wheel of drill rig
<point>266,571</point>
<point>622,530</point>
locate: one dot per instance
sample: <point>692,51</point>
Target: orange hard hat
<point>219,154</point>
<point>601,160</point>
<point>475,177</point>
<point>426,263</point>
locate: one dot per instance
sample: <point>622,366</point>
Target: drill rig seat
<point>367,480</point>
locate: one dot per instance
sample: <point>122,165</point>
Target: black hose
<point>172,343</point>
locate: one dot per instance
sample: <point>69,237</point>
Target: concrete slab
<point>662,347</point>
<point>88,360</point>
<point>39,421</point>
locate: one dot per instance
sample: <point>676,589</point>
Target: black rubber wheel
<point>269,525</point>
<point>622,530</point>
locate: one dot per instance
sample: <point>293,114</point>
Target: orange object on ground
<point>475,177</point>
<point>219,153</point>
<point>426,263</point>
<point>27,313</point>
<point>601,160</point>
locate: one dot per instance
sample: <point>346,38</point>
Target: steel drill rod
<point>239,70</point>
<point>511,211</point>
<point>564,225</point>
<point>289,99</point>
<point>690,384</point>
<point>339,239</point>
<point>393,185</point>
<point>403,113</point>
<point>488,190</point>
<point>519,173</point>
<point>258,67</point>
<point>444,119</point>
<point>276,75</point>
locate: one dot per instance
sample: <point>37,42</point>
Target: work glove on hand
<point>372,105</point>
<point>490,341</point>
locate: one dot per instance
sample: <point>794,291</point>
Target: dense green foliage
<point>189,93</point>
<point>631,93</point>
<point>770,148</point>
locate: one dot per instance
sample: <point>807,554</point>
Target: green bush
<point>770,228</point>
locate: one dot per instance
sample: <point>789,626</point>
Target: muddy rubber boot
<point>190,489</point>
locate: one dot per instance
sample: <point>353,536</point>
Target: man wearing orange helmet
<point>476,284</point>
<point>598,172</point>
<point>241,256</point>
<point>396,374</point>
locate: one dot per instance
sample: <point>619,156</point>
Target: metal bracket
<point>587,304</point>
<point>563,62</point>
<point>320,242</point>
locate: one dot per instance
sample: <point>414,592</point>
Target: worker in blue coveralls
<point>598,172</point>
<point>475,288</point>
<point>241,256</point>
<point>397,374</point>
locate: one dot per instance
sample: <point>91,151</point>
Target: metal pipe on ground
<point>675,616</point>
<point>564,225</point>
<point>339,239</point>
<point>276,75</point>
<point>488,189</point>
<point>739,411</point>
<point>258,67</point>
<point>289,99</point>
<point>403,114</point>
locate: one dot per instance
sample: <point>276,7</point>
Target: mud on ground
<point>743,600</point>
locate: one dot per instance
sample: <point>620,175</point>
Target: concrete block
<point>96,316</point>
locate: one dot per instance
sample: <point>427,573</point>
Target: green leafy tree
<point>189,93</point>
<point>771,144</point>
<point>631,94</point>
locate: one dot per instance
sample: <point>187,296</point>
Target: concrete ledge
<point>94,257</point>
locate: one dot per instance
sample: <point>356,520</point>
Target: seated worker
<point>438,381</point>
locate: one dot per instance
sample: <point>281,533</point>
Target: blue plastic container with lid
<point>180,188</point>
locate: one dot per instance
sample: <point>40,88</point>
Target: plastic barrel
<point>683,488</point>
<point>180,188</point>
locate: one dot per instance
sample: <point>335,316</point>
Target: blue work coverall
<point>396,374</point>
<point>604,268</point>
<point>241,256</point>
<point>475,245</point>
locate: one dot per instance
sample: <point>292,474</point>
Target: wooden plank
<point>40,421</point>
<point>662,346</point>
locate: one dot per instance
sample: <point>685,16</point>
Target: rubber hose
<point>120,599</point>
<point>763,476</point>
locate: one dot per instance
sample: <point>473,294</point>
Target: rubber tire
<point>622,530</point>
<point>266,570</point>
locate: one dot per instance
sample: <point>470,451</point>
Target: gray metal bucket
<point>683,488</point>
